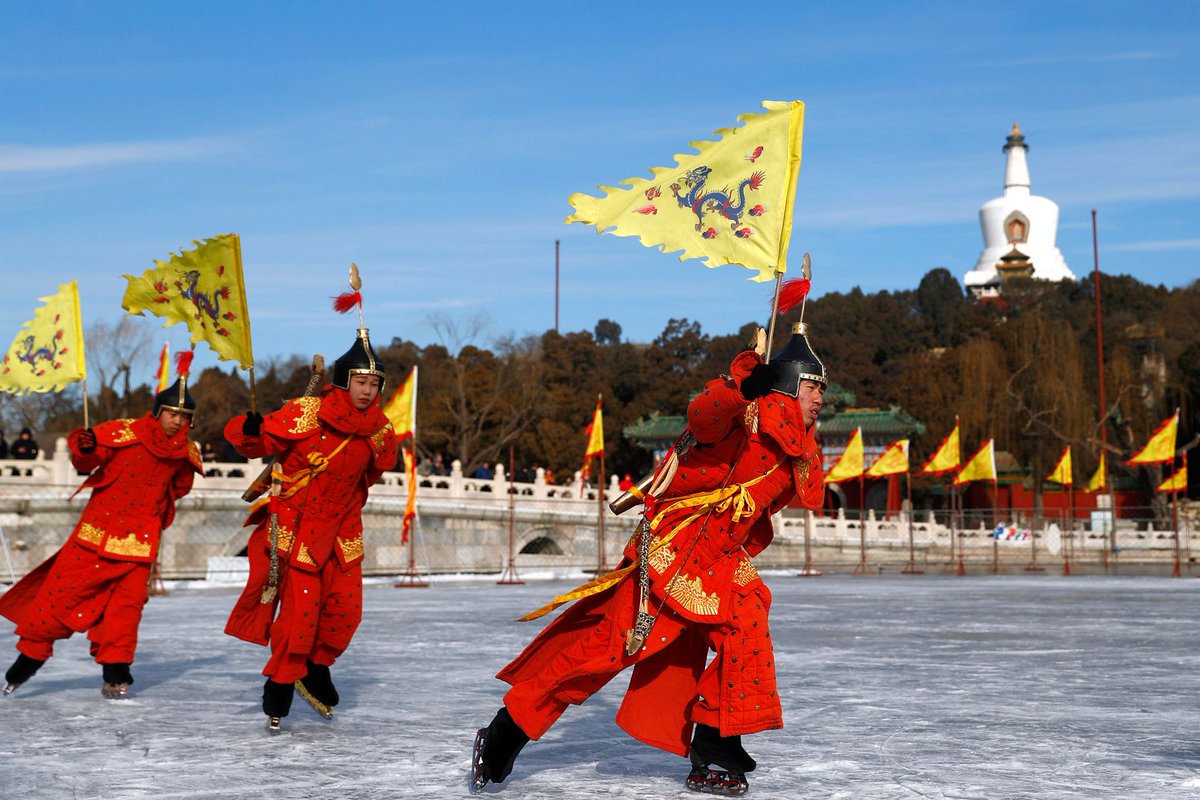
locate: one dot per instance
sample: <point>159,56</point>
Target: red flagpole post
<point>1069,529</point>
<point>510,572</point>
<point>912,568</point>
<point>601,567</point>
<point>861,569</point>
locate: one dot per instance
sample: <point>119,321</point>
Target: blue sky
<point>436,147</point>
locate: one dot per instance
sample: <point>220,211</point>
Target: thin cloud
<point>20,158</point>
<point>1161,244</point>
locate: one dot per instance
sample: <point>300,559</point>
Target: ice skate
<point>115,691</point>
<point>496,749</point>
<point>117,678</point>
<point>274,724</point>
<point>709,747</point>
<point>317,689</point>
<point>719,782</point>
<point>21,670</point>
<point>276,703</point>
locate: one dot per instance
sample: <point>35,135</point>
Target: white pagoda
<point>1019,231</point>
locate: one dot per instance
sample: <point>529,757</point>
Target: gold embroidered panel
<point>284,539</point>
<point>125,434</point>
<point>662,557</point>
<point>689,593</point>
<point>750,418</point>
<point>307,421</point>
<point>131,545</point>
<point>351,548</point>
<point>304,557</point>
<point>380,437</point>
<point>744,573</point>
<point>90,533</point>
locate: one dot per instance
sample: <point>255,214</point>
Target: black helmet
<point>797,362</point>
<point>360,359</point>
<point>175,397</point>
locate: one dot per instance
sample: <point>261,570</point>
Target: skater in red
<point>686,586</point>
<point>304,594</point>
<point>98,581</point>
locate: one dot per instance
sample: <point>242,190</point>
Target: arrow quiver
<point>268,592</point>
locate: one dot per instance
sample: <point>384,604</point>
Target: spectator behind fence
<point>24,447</point>
<point>3,445</point>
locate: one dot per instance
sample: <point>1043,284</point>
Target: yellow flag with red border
<point>47,353</point>
<point>1062,470</point>
<point>947,457</point>
<point>893,461</point>
<point>850,465</point>
<point>595,438</point>
<point>1099,478</point>
<point>1175,483</point>
<point>731,203</point>
<point>401,407</point>
<point>1161,446</point>
<point>204,289</point>
<point>981,466</point>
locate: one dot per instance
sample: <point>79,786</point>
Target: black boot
<point>496,749</point>
<point>710,747</point>
<point>117,678</point>
<point>277,699</point>
<point>21,670</point>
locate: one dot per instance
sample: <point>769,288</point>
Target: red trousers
<point>318,615</point>
<point>85,591</point>
<point>671,687</point>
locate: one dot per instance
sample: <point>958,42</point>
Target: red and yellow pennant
<point>980,467</point>
<point>401,411</point>
<point>1099,478</point>
<point>947,458</point>
<point>1062,470</point>
<point>850,465</point>
<point>595,439</point>
<point>1175,483</point>
<point>1161,447</point>
<point>894,461</point>
<point>731,203</point>
<point>47,353</point>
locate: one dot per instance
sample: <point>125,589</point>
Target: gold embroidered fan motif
<point>307,421</point>
<point>131,545</point>
<point>689,593</point>
<point>661,556</point>
<point>351,548</point>
<point>90,533</point>
<point>744,573</point>
<point>125,434</point>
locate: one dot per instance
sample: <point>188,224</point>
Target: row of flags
<point>982,465</point>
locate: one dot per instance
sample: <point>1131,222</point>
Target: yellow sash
<point>734,496</point>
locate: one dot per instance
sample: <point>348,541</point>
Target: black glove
<point>758,383</point>
<point>87,441</point>
<point>252,426</point>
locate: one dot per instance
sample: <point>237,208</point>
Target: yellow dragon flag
<point>1062,471</point>
<point>1175,483</point>
<point>893,462</point>
<point>47,353</point>
<point>850,465</point>
<point>204,289</point>
<point>947,457</point>
<point>981,467</point>
<point>401,408</point>
<point>730,204</point>
<point>1099,477</point>
<point>1161,446</point>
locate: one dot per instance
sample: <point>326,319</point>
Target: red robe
<point>97,581</point>
<point>751,459</point>
<point>330,453</point>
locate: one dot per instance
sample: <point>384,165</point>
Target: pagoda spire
<point>1016,169</point>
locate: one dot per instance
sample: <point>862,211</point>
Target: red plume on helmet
<point>346,301</point>
<point>176,397</point>
<point>361,358</point>
<point>792,293</point>
<point>183,362</point>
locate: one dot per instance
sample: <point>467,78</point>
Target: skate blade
<point>274,724</point>
<point>322,709</point>
<point>716,782</point>
<point>9,688</point>
<point>115,691</point>
<point>478,778</point>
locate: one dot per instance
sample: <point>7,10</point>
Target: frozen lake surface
<point>893,687</point>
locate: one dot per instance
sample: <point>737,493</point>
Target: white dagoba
<point>1019,230</point>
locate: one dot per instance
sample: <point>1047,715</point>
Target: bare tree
<point>118,355</point>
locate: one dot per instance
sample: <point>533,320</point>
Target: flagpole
<point>1175,516</point>
<point>253,394</point>
<point>412,579</point>
<point>83,385</point>
<point>861,569</point>
<point>774,314</point>
<point>1070,528</point>
<point>962,569</point>
<point>1112,506</point>
<point>602,568</point>
<point>912,568</point>
<point>510,572</point>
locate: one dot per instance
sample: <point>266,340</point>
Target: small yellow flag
<point>981,467</point>
<point>47,353</point>
<point>204,289</point>
<point>1175,483</point>
<point>850,465</point>
<point>164,367</point>
<point>1161,446</point>
<point>1099,477</point>
<point>947,457</point>
<point>893,462</point>
<point>401,408</point>
<point>1062,471</point>
<point>595,442</point>
<point>730,204</point>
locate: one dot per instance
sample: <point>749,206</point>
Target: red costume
<point>98,581</point>
<point>751,458</point>
<point>330,454</point>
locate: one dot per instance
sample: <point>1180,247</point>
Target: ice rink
<point>893,687</point>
